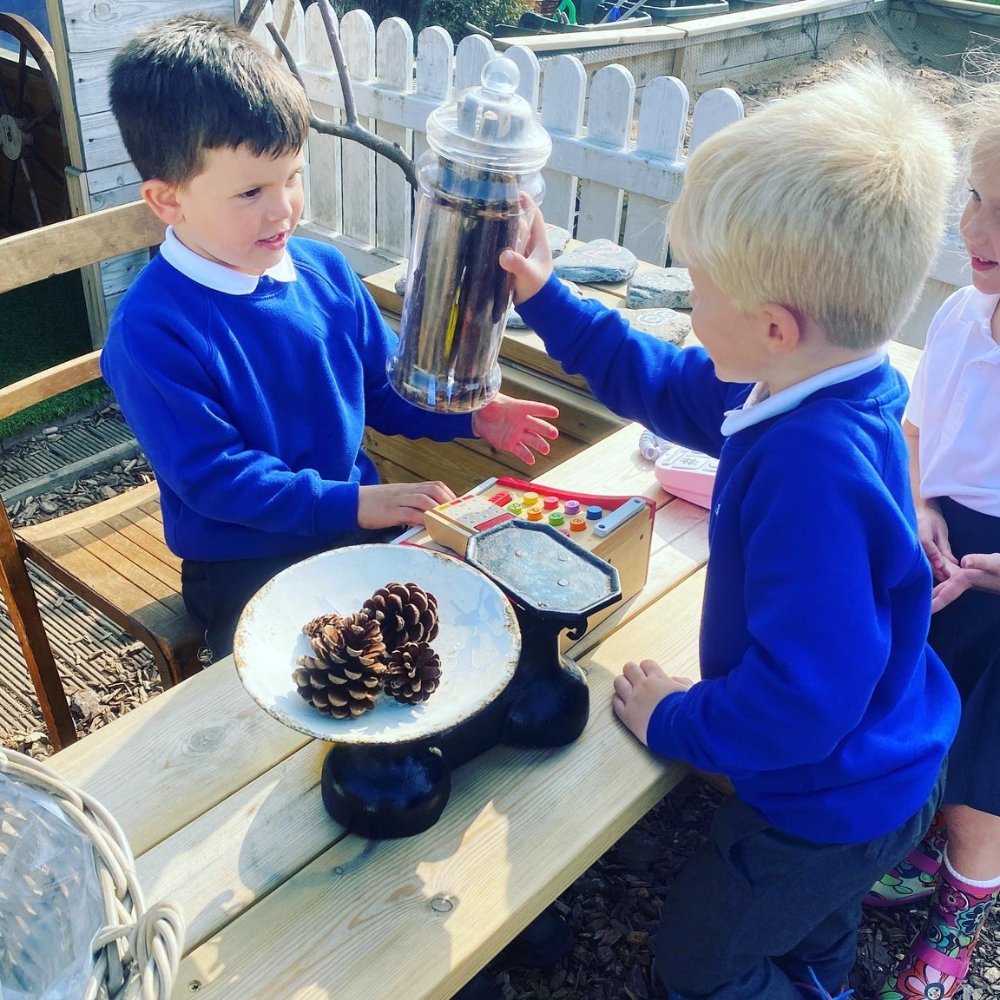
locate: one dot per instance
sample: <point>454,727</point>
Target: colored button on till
<point>515,509</point>
<point>571,508</point>
<point>556,518</point>
<point>529,499</point>
<point>535,514</point>
<point>578,524</point>
<point>550,503</point>
<point>595,513</point>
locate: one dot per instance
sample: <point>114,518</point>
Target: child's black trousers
<point>755,909</point>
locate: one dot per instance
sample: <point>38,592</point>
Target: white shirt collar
<point>217,276</point>
<point>755,410</point>
<point>979,307</point>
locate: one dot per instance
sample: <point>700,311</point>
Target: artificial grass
<point>41,325</point>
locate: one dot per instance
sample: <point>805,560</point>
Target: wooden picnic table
<point>221,804</point>
<point>222,807</point>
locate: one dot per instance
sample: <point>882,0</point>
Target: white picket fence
<point>611,174</point>
<point>607,176</point>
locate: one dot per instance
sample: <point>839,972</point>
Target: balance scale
<point>521,582</point>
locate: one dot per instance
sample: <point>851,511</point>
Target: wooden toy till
<point>618,529</point>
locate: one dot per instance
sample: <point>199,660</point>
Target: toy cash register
<point>618,529</point>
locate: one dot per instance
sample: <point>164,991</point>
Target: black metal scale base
<point>401,790</point>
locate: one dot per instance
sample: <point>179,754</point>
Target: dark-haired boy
<point>249,362</point>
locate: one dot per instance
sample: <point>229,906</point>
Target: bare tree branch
<point>333,37</point>
<point>351,129</point>
<point>250,14</point>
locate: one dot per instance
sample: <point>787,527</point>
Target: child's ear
<point>162,199</point>
<point>784,328</point>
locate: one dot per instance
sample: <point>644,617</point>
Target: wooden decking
<point>92,653</point>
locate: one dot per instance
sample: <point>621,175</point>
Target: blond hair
<point>830,202</point>
<point>977,123</point>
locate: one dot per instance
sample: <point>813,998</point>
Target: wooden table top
<point>222,807</point>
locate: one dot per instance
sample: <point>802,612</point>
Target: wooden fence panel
<point>609,122</point>
<point>259,31</point>
<point>529,70</point>
<point>564,94</point>
<point>435,69</point>
<point>714,110</point>
<point>358,37</point>
<point>326,182</point>
<point>662,119</point>
<point>394,70</point>
<point>473,53</point>
<point>354,195</point>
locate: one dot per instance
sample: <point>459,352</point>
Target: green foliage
<point>41,325</point>
<point>452,15</point>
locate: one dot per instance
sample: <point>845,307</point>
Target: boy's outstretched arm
<point>533,268</point>
<point>639,688</point>
<point>516,426</point>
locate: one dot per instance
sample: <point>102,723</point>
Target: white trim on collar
<point>217,276</point>
<point>755,410</point>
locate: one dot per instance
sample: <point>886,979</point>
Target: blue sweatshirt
<point>251,407</point>
<point>819,697</point>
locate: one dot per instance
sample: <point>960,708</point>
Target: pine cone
<point>344,678</point>
<point>342,690</point>
<point>405,613</point>
<point>413,672</point>
<point>356,638</point>
<point>314,627</point>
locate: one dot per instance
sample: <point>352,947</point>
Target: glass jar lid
<point>491,125</point>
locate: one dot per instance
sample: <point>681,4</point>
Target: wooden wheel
<point>32,144</point>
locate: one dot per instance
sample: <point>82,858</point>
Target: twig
<point>333,37</point>
<point>351,129</point>
<point>250,14</point>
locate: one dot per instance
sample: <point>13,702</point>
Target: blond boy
<point>808,229</point>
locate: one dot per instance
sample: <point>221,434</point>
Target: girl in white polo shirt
<point>951,424</point>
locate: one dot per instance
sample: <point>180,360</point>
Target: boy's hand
<point>932,530</point>
<point>976,571</point>
<point>532,269</point>
<point>515,426</point>
<point>399,503</point>
<point>639,688</point>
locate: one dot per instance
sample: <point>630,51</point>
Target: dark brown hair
<point>195,83</point>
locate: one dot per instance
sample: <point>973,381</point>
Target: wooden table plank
<point>161,766</point>
<point>279,824</point>
<point>417,917</point>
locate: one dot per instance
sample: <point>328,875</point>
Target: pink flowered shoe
<point>914,878</point>
<point>918,980</point>
<point>938,960</point>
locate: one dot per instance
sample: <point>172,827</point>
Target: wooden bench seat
<point>111,554</point>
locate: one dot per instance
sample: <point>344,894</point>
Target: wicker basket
<point>67,873</point>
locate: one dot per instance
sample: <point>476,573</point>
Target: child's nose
<point>973,226</point>
<point>280,207</point>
